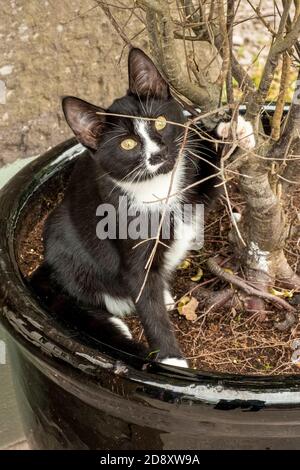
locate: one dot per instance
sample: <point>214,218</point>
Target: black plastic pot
<point>74,395</point>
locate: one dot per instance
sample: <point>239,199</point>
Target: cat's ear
<point>144,78</point>
<point>84,121</point>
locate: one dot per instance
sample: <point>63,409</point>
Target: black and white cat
<point>134,158</point>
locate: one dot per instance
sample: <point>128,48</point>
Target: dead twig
<point>216,270</point>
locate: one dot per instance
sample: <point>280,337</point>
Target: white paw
<point>117,306</point>
<point>169,301</point>
<point>244,132</point>
<point>175,361</point>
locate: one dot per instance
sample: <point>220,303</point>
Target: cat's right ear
<point>84,120</point>
<point>144,78</point>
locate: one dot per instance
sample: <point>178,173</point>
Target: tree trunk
<point>264,231</point>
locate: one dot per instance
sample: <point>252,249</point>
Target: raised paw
<point>244,132</point>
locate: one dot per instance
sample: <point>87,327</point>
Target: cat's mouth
<point>160,168</point>
<point>153,168</point>
<point>166,166</point>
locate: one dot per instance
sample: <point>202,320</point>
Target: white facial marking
<point>122,327</point>
<point>151,194</point>
<point>174,361</point>
<point>118,307</point>
<point>151,147</point>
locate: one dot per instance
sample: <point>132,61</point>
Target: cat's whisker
<point>141,103</point>
<point>204,157</point>
<point>147,103</point>
<point>102,176</point>
<point>151,105</point>
<point>193,163</point>
<point>116,126</point>
<point>136,179</point>
<point>125,179</point>
<point>131,172</point>
<point>114,131</point>
<point>180,140</point>
<point>115,137</point>
<point>206,161</point>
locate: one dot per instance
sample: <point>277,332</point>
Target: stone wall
<point>49,49</point>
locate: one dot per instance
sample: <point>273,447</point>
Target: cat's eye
<point>160,123</point>
<point>128,144</point>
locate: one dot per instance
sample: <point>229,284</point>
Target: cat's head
<point>127,145</point>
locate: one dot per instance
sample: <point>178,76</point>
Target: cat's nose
<point>160,156</point>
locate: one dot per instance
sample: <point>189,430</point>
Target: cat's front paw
<point>244,132</point>
<point>175,361</point>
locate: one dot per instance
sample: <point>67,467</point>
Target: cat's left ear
<point>85,119</point>
<point>144,78</point>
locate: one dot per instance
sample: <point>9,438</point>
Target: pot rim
<point>31,326</point>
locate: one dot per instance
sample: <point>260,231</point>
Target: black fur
<point>82,267</point>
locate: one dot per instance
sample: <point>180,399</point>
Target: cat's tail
<point>98,324</point>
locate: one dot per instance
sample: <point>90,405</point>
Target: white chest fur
<point>152,193</point>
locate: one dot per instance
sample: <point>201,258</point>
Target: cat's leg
<point>154,317</point>
<point>244,132</point>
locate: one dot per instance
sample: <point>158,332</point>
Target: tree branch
<point>216,270</point>
<point>113,21</point>
<point>224,42</point>
<point>290,135</point>
<point>284,82</point>
<point>280,45</point>
<point>205,94</point>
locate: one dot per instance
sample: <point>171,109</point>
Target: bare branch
<point>113,21</point>
<point>284,82</point>
<point>230,19</point>
<point>241,284</point>
<point>280,45</point>
<point>290,134</point>
<point>205,94</point>
<point>224,41</point>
